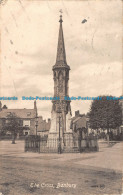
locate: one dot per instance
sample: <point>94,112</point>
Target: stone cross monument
<point>61,109</point>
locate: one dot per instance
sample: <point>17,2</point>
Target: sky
<point>29,37</point>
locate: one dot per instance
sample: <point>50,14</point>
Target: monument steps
<point>73,149</point>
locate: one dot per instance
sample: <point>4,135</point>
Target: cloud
<point>96,79</point>
<point>93,50</point>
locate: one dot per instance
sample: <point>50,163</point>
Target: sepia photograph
<point>61,97</point>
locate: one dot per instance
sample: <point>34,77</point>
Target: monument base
<point>65,141</point>
<point>53,141</point>
<point>68,140</point>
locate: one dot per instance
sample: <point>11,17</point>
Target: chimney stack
<point>77,113</point>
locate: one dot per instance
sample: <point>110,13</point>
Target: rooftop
<point>20,113</point>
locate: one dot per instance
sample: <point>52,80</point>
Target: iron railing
<point>68,145</point>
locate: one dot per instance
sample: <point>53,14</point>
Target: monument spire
<point>61,54</point>
<point>61,109</point>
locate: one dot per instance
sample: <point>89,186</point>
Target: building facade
<point>121,127</point>
<point>43,126</point>
<point>27,118</point>
<point>79,124</point>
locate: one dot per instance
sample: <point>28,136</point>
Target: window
<point>28,113</point>
<point>122,129</point>
<point>8,113</point>
<point>26,123</point>
<point>7,121</point>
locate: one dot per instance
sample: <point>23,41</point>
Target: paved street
<point>85,173</point>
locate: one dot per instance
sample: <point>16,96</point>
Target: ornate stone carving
<point>61,77</point>
<point>60,81</point>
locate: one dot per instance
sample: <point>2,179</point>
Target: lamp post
<point>59,143</point>
<point>36,124</point>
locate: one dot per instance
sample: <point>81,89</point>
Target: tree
<point>12,125</point>
<point>105,114</point>
<point>4,107</point>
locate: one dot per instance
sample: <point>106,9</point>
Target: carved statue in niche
<point>67,74</point>
<point>54,107</point>
<point>60,82</point>
<point>54,75</point>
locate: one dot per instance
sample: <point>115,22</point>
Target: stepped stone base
<point>68,140</point>
<point>65,141</point>
<point>53,140</point>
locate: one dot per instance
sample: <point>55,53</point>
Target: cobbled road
<point>48,174</point>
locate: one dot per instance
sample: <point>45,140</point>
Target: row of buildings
<point>29,119</point>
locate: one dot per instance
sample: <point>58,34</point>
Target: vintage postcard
<point>61,97</point>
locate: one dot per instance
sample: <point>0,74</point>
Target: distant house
<point>25,116</point>
<point>79,125</point>
<point>43,126</point>
<point>121,127</point>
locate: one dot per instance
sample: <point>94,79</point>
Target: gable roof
<point>20,113</point>
<point>80,122</point>
<point>76,119</point>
